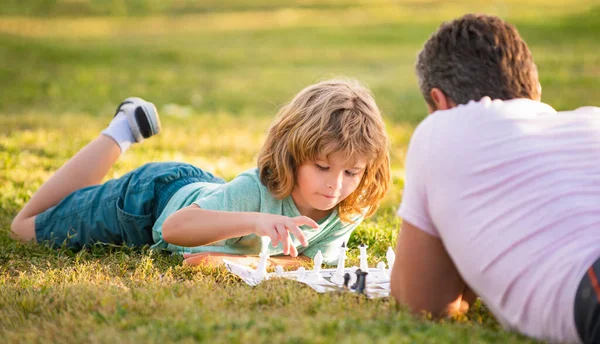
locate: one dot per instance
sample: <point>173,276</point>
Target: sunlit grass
<point>110,294</point>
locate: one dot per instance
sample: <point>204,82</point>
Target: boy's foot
<point>135,120</point>
<point>142,117</point>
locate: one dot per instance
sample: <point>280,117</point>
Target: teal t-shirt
<point>246,193</point>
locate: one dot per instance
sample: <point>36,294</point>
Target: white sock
<point>119,131</point>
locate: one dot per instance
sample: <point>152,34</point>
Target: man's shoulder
<point>586,110</point>
<point>488,107</point>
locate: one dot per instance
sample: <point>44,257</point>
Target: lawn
<point>218,71</point>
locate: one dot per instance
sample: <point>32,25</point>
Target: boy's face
<point>322,184</point>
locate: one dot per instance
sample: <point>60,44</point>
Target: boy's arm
<point>194,226</point>
<point>214,259</point>
<point>424,278</point>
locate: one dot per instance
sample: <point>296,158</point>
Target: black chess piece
<point>362,282</point>
<point>346,280</point>
<point>355,285</point>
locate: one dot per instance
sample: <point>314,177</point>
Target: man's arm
<point>424,277</point>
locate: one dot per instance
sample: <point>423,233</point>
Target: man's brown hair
<point>476,56</point>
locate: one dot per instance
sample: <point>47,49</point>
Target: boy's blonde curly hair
<point>325,118</point>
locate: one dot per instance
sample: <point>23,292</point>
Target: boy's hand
<point>278,228</point>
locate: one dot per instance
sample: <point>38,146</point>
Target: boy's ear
<point>440,100</point>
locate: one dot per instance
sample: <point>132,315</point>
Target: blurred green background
<point>248,57</point>
<point>218,71</point>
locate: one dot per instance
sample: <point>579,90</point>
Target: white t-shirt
<point>512,188</point>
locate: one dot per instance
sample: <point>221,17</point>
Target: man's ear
<point>440,100</point>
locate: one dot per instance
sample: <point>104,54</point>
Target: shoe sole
<point>147,119</point>
<point>144,122</point>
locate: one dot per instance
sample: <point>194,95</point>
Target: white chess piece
<point>383,275</point>
<point>390,256</point>
<point>301,274</point>
<point>364,265</point>
<point>318,261</point>
<point>261,270</point>
<point>338,276</point>
<point>314,276</point>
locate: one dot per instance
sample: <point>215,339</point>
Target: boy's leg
<point>91,164</point>
<point>121,211</point>
<point>87,167</point>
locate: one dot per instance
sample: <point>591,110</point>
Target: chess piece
<point>261,270</point>
<point>338,276</point>
<point>318,261</point>
<point>279,270</point>
<point>346,280</point>
<point>358,273</point>
<point>362,282</point>
<point>301,274</point>
<point>390,256</point>
<point>352,271</point>
<point>364,265</point>
<point>315,275</point>
<point>383,275</point>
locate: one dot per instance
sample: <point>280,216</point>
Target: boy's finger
<point>293,251</point>
<point>273,235</point>
<point>305,220</point>
<point>284,238</point>
<point>291,226</point>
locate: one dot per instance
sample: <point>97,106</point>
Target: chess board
<point>372,282</point>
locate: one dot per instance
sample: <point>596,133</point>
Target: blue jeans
<point>121,211</point>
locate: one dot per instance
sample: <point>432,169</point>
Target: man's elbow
<point>417,305</point>
<point>412,306</point>
<point>398,292</point>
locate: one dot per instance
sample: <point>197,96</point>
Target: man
<point>502,193</point>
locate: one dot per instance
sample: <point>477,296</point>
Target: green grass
<point>218,71</point>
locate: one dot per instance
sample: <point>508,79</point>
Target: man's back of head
<point>476,56</point>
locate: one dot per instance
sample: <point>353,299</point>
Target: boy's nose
<point>335,183</point>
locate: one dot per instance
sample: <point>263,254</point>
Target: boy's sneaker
<point>142,117</point>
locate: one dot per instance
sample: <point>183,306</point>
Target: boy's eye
<point>322,168</point>
<point>351,174</point>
